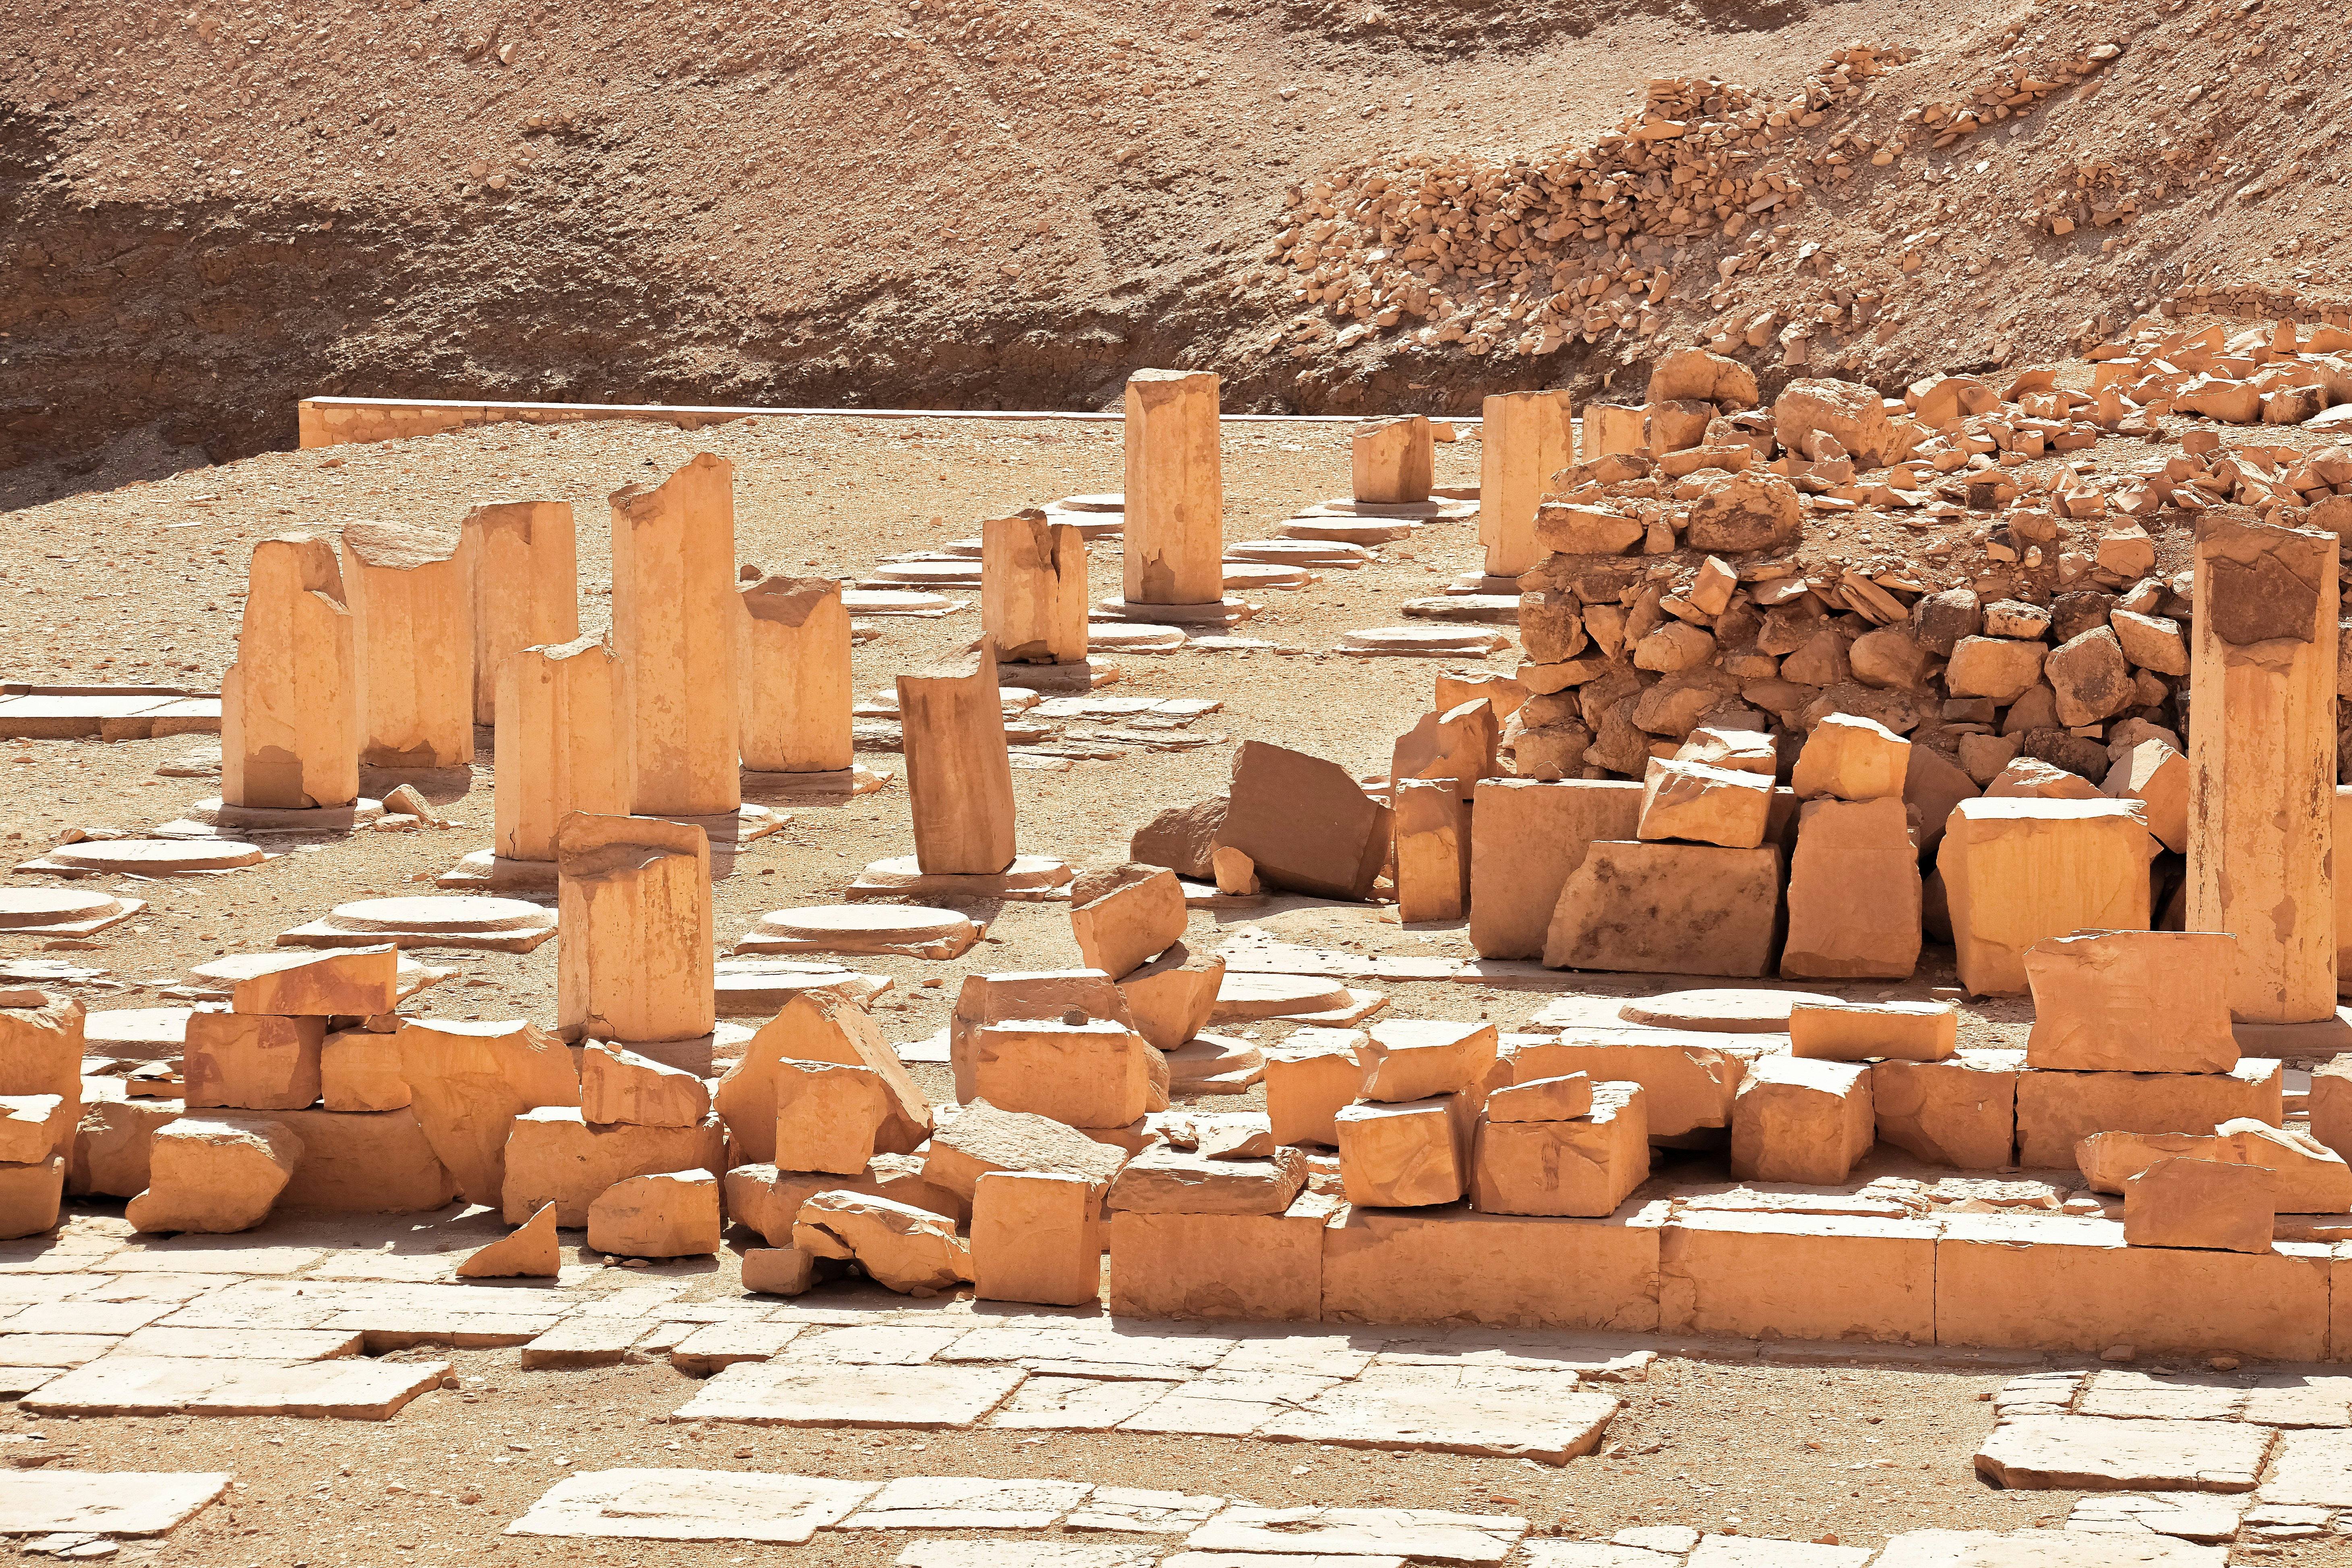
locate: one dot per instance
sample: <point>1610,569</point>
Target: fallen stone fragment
<point>2132,1001</point>
<point>214,1173</point>
<point>618,1084</point>
<point>2088,1453</point>
<point>2203,1204</point>
<point>692,1505</point>
<point>529,1251</point>
<point>670,1214</point>
<point>1864,1031</point>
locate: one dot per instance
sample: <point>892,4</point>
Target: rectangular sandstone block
<point>1702,805</point>
<point>1798,1276</point>
<point>1305,822</point>
<point>350,982</point>
<point>1962,1112</point>
<point>1092,1074</point>
<point>1412,1058</point>
<point>1406,1155</point>
<point>554,1157</point>
<point>1689,1079</point>
<point>1586,1166</point>
<point>1432,851</point>
<point>827,1116</point>
<point>2056,1110</point>
<point>2132,1001</point>
<point>1865,1031</point>
<point>1037,1236</point>
<point>1525,837</point>
<point>1669,909</point>
<point>1854,893</point>
<point>361,1071</point>
<point>1258,1267</point>
<point>2017,869</point>
<point>1452,1266</point>
<point>248,1062</point>
<point>2201,1204</point>
<point>1801,1121</point>
<point>2061,1283</point>
<point>1562,1098</point>
<point>1310,1077</point>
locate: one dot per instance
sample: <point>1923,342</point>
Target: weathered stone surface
<point>2000,668</point>
<point>529,1251</point>
<point>104,1502</point>
<point>666,1214</point>
<point>352,983</point>
<point>1704,805</point>
<point>352,1388</point>
<point>2056,1110</point>
<point>359,1070</point>
<point>1171,997</point>
<point>1309,1079</point>
<point>1851,758</point>
<point>982,1138</point>
<point>786,1393</point>
<point>2016,871</point>
<point>2156,776</point>
<point>1560,1099</point>
<point>1420,1535</point>
<point>245,1063</point>
<point>1164,1180</point>
<point>2132,1001</point>
<point>364,1162</point>
<point>2201,1203</point>
<point>902,1248</point>
<point>1527,836</point>
<point>1689,1079</point>
<point>1421,1410</point>
<point>1864,1031</point>
<point>1406,1154</point>
<point>1036,1237</point>
<point>1097,1072</point>
<point>30,1196</point>
<point>691,1505</point>
<point>1670,909</point>
<point>1305,822</point>
<point>1181,838</point>
<point>111,1145</point>
<point>633,899</point>
<point>815,1027</point>
<point>1126,914</point>
<point>557,1157</point>
<point>1414,1059</point>
<point>2084,1452</point>
<point>468,1081</point>
<point>618,1084</point>
<point>1800,1277</point>
<point>214,1173</point>
<point>1587,1165</point>
<point>1854,895</point>
<point>2311,1469</point>
<point>2092,678</point>
<point>1849,413</point>
<point>1801,1121</point>
<point>1216,1266</point>
<point>827,1116</point>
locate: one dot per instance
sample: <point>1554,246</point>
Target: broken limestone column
<point>1175,489</point>
<point>634,960</point>
<point>794,671</point>
<point>959,772</point>
<point>1033,588</point>
<point>1394,461</point>
<point>526,586</point>
<point>673,626</point>
<point>412,595</point>
<point>1525,440</point>
<point>289,705</point>
<point>2262,760</point>
<point>562,745</point>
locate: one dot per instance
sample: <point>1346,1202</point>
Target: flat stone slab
<point>1723,1010</point>
<point>1030,878</point>
<point>2185,1516</point>
<point>1422,1535</point>
<point>1076,1403</point>
<point>900,602</point>
<point>146,858</point>
<point>2161,1396</point>
<point>1293,1560</point>
<point>1300,552</point>
<point>61,911</point>
<point>216,815</point>
<point>1349,531</point>
<point>221,974</point>
<point>1527,1418</point>
<point>954,573</point>
<point>909,931</point>
<point>1143,1511</point>
<point>1309,998</point>
<point>2313,1470</point>
<point>1265,574</point>
<point>1130,636</point>
<point>790,1393</point>
<point>2292,1401</point>
<point>243,1344</point>
<point>1421,642</point>
<point>1213,1064</point>
<point>104,1502</point>
<point>357,1389</point>
<point>748,986</point>
<point>1022,1555</point>
<point>1097,500</point>
<point>1420,510</point>
<point>1227,1404</point>
<point>446,920</point>
<point>1481,609</point>
<point>962,1502</point>
<point>2041,1549</point>
<point>136,1034</point>
<point>1748,1551</point>
<point>692,1505</point>
<point>837,783</point>
<point>2091,1453</point>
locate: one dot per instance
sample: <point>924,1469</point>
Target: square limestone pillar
<point>959,772</point>
<point>412,590</point>
<point>562,745</point>
<point>526,586</point>
<point>634,956</point>
<point>1525,441</point>
<point>673,626</point>
<point>1175,489</point>
<point>795,673</point>
<point>1394,461</point>
<point>1033,588</point>
<point>2262,763</point>
<point>289,705</point>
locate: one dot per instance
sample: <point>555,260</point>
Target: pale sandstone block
<point>110,1147</point>
<point>1033,588</point>
<point>2309,1176</point>
<point>526,589</point>
<point>2262,761</point>
<point>2108,1160</point>
<point>41,1038</point>
<point>1305,822</point>
<point>769,1200</point>
<point>1258,1268</point>
<point>1801,1121</point>
<point>1126,914</point>
<point>1669,909</point>
<point>1392,460</point>
<point>1455,743</point>
<point>2132,1001</point>
<point>778,1270</point>
<point>1096,1073</point>
<point>364,1162</point>
<point>827,1116</point>
<point>1798,1276</point>
<point>28,1127</point>
<point>290,705</point>
<point>618,1084</point>
<point>1310,1077</point>
<point>1689,1081</point>
<point>794,692</point>
<point>1933,783</point>
<point>959,772</point>
<point>1174,548</point>
<point>1452,1266</point>
<point>1587,1165</point>
<point>1407,1155</point>
<point>1855,892</point>
<point>468,1081</point>
<point>1742,751</point>
<point>1171,997</point>
<point>556,1156</point>
<point>1414,1058</point>
<point>1022,994</point>
<point>1705,804</point>
<point>349,982</point>
<point>675,629</point>
<point>411,598</point>
<point>668,1213</point>
<point>30,1196</point>
<point>1562,1098</point>
<point>248,1063</point>
<point>2016,871</point>
<point>1851,758</point>
<point>2156,776</point>
<point>1035,1236</point>
<point>530,1251</point>
<point>1527,836</point>
<point>563,743</point>
<point>2200,1204</point>
<point>816,1026</point>
<point>2056,1110</point>
<point>1960,1112</point>
<point>1432,851</point>
<point>904,1249</point>
<point>214,1174</point>
<point>635,954</point>
<point>1163,1180</point>
<point>1865,1031</point>
<point>982,1138</point>
<point>1524,437</point>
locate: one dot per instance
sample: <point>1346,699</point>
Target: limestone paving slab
<point>1522,1419</point>
<point>1758,1551</point>
<point>783,1394</point>
<point>54,1351</point>
<point>2185,1516</point>
<point>2300,1401</point>
<point>748,987</point>
<point>146,858</point>
<point>104,1502</point>
<point>1421,642</point>
<point>907,931</point>
<point>2092,1453</point>
<point>58,911</point>
<point>1030,878</point>
<point>1143,1511</point>
<point>2043,1549</point>
<point>1420,1535</point>
<point>1077,1404</point>
<point>447,919</point>
<point>1554,1553</point>
<point>1048,1349</point>
<point>1227,1405</point>
<point>243,1344</point>
<point>350,1390</point>
<point>962,1502</point>
<point>692,1505</point>
<point>881,1344</point>
<point>1275,1560</point>
<point>1021,1555</point>
<point>717,1346</point>
<point>2164,1396</point>
<point>1724,1010</point>
<point>2313,1470</point>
